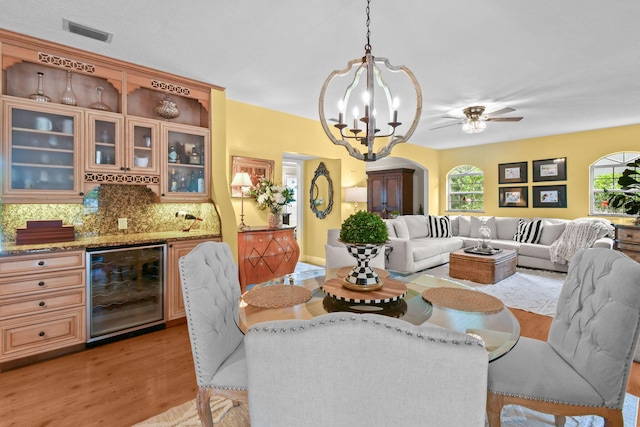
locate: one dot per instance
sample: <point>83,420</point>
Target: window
<point>465,187</point>
<point>604,175</point>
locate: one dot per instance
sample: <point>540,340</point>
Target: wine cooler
<point>125,289</point>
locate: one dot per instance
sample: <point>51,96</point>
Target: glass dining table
<point>498,328</point>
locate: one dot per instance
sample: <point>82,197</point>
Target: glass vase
<point>68,97</point>
<point>39,95</point>
<point>99,105</point>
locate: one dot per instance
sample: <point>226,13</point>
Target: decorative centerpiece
<point>364,233</point>
<point>273,197</point>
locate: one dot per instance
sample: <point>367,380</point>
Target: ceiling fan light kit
<point>368,87</point>
<point>476,121</point>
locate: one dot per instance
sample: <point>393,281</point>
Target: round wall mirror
<point>321,192</point>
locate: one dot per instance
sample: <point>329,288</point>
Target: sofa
<point>419,242</point>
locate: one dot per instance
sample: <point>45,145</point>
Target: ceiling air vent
<point>83,30</point>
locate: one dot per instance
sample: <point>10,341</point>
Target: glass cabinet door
<point>41,150</point>
<point>185,171</point>
<point>143,146</point>
<point>105,142</point>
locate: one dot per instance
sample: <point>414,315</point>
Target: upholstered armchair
<point>583,367</point>
<point>211,292</point>
<point>337,255</point>
<point>363,370</point>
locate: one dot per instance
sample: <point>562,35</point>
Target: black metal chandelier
<point>379,127</point>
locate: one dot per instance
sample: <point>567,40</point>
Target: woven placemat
<point>463,299</point>
<point>277,296</point>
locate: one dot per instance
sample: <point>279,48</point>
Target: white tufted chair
<point>363,370</point>
<point>211,292</point>
<point>337,255</point>
<point>583,367</point>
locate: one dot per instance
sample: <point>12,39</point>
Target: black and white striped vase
<point>363,277</point>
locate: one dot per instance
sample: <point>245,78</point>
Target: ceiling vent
<point>83,30</point>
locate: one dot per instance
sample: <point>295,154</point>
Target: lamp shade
<point>241,179</point>
<point>356,194</point>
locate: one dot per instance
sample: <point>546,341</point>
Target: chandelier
<point>368,86</point>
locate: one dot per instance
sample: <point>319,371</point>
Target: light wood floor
<point>125,382</point>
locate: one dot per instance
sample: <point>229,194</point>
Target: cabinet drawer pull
<point>40,263</point>
<point>41,334</point>
<point>41,284</point>
<point>41,303</point>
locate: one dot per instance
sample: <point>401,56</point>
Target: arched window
<point>465,189</point>
<point>604,174</point>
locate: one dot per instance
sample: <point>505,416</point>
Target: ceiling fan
<point>476,120</point>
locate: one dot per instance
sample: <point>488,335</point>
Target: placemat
<point>463,300</point>
<point>277,296</point>
<point>343,271</point>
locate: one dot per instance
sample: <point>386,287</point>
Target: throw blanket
<point>579,233</point>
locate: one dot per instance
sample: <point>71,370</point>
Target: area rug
<point>528,289</point>
<point>225,415</point>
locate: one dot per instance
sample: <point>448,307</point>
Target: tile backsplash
<point>99,213</point>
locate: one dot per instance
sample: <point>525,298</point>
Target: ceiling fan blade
<point>502,111</point>
<point>504,119</point>
<point>445,126</point>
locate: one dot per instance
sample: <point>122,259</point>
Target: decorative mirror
<point>321,192</point>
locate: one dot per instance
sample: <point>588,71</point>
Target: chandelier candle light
<point>377,100</point>
<point>242,180</point>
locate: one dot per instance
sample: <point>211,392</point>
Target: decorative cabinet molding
<point>128,145</point>
<point>266,253</point>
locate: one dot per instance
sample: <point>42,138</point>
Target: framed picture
<point>550,170</point>
<point>550,196</point>
<point>512,173</point>
<point>256,168</point>
<point>513,197</point>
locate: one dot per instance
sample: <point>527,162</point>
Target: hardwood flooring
<point>125,382</point>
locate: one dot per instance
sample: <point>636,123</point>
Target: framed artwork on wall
<point>550,169</point>
<point>256,168</point>
<point>550,196</point>
<point>513,197</point>
<point>512,173</point>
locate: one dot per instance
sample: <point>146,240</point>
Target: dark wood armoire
<point>390,190</point>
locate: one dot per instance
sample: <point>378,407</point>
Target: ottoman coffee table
<point>480,268</point>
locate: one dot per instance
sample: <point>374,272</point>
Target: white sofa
<point>416,243</point>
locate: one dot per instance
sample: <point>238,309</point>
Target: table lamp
<point>242,180</point>
<point>356,195</point>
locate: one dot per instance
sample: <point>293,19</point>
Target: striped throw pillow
<point>528,231</point>
<point>439,226</point>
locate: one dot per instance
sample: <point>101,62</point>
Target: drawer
<point>41,303</point>
<point>628,234</point>
<point>41,282</point>
<point>633,254</point>
<point>39,333</point>
<point>50,261</point>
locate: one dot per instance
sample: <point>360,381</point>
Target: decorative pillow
<point>464,226</point>
<point>551,232</point>
<point>476,222</point>
<point>417,225</point>
<point>439,226</point>
<point>528,231</point>
<point>455,225</point>
<point>390,228</point>
<point>402,231</point>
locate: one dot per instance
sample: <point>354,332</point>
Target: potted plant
<point>364,233</point>
<point>394,214</point>
<point>629,198</point>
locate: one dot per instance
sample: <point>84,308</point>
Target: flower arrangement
<point>271,196</point>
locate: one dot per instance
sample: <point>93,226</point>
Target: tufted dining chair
<point>211,292</point>
<point>361,370</point>
<point>583,367</point>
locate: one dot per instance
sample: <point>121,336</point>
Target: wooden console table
<point>627,240</point>
<point>266,253</point>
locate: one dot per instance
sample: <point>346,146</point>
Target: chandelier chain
<point>367,47</point>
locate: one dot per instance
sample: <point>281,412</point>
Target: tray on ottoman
<point>486,269</point>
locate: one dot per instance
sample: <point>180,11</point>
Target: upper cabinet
<point>73,120</point>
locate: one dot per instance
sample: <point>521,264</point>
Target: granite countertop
<point>11,248</point>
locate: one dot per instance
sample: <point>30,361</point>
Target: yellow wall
<point>581,150</point>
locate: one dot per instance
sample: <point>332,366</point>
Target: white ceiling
<point>565,65</point>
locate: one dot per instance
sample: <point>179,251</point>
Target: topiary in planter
<point>364,228</point>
